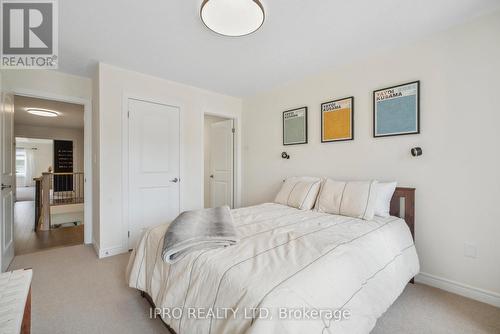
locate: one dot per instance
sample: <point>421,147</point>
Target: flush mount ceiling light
<point>232,17</point>
<point>42,112</point>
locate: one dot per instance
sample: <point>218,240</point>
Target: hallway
<point>28,241</point>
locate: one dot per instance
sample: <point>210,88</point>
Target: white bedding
<point>287,259</point>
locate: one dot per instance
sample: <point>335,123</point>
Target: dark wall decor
<point>416,151</point>
<point>285,155</point>
<point>295,126</point>
<point>63,163</point>
<point>396,110</point>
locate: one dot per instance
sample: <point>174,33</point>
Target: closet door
<point>153,139</point>
<point>221,164</point>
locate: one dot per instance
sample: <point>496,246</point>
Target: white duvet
<point>301,269</point>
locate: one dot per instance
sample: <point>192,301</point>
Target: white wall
<point>47,81</point>
<point>42,132</point>
<point>206,155</point>
<point>457,178</point>
<point>114,84</point>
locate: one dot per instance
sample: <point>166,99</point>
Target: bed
<point>294,271</point>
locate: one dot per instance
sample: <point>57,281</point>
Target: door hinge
<point>128,113</point>
<point>129,234</point>
<point>233,130</point>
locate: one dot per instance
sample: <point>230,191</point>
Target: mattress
<point>292,272</point>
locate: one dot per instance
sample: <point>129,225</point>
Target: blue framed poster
<point>396,110</point>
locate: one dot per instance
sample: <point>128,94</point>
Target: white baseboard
<point>105,252</point>
<point>485,296</point>
<point>96,247</point>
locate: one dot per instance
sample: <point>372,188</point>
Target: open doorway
<point>49,166</point>
<point>33,157</point>
<point>219,185</point>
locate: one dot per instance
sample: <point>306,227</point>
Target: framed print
<point>295,126</point>
<point>396,110</point>
<point>337,120</point>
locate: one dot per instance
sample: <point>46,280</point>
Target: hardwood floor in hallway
<point>26,240</point>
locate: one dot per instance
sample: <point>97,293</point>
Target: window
<point>20,162</point>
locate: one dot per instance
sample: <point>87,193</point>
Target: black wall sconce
<point>416,151</point>
<point>285,155</point>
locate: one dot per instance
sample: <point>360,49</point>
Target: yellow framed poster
<point>337,120</point>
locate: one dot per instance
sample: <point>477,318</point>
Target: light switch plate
<point>470,250</point>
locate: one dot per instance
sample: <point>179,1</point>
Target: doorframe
<point>87,148</point>
<point>237,139</point>
<point>4,266</point>
<point>125,154</point>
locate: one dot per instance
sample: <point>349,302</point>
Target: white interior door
<point>153,166</point>
<point>221,163</point>
<point>7,177</point>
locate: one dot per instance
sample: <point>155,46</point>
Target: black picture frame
<point>375,135</point>
<point>63,163</point>
<point>283,126</point>
<point>352,120</point>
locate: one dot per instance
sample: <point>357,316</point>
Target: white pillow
<point>385,190</point>
<point>354,199</point>
<point>299,192</point>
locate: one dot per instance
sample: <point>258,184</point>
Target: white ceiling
<point>167,39</point>
<point>70,115</point>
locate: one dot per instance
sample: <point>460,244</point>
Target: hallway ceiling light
<point>232,17</point>
<point>42,112</point>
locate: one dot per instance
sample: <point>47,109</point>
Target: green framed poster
<point>295,126</point>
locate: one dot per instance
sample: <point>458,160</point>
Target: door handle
<point>174,180</point>
<point>4,186</point>
<point>212,176</point>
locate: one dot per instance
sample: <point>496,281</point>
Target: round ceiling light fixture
<point>232,18</point>
<point>42,112</point>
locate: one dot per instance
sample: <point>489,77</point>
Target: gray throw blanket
<point>198,229</point>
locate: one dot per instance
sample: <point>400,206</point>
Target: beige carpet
<point>74,292</point>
